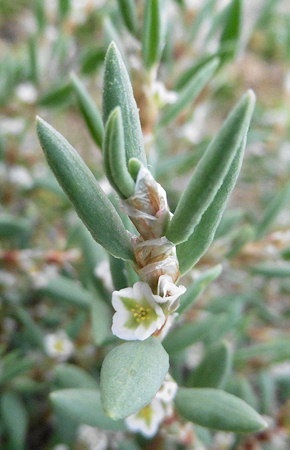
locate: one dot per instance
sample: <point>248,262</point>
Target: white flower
<point>20,176</point>
<point>168,291</point>
<point>137,314</point>
<point>26,93</point>
<point>102,271</point>
<point>58,346</point>
<point>148,419</point>
<point>92,438</point>
<point>168,390</point>
<point>162,95</point>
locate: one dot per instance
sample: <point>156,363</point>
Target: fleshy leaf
<point>84,406</point>
<point>14,417</point>
<point>128,11</point>
<point>89,111</point>
<point>90,202</point>
<point>115,156</point>
<point>190,92</point>
<point>69,376</point>
<point>131,375</point>
<point>190,251</point>
<point>214,368</point>
<point>277,203</point>
<point>118,92</point>
<point>152,33</point>
<point>197,287</point>
<point>211,171</point>
<point>216,409</point>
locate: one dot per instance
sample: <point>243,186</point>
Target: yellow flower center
<point>140,313</point>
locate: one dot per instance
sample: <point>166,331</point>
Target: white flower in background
<point>60,447</point>
<point>102,271</point>
<point>193,130</point>
<point>168,291</point>
<point>148,419</point>
<point>11,125</point>
<point>168,390</point>
<point>224,440</point>
<point>58,346</point>
<point>20,176</point>
<point>40,278</point>
<point>137,314</point>
<point>162,95</point>
<point>26,93</point>
<point>92,438</point>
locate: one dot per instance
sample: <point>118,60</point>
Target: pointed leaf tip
<point>118,92</point>
<point>82,188</point>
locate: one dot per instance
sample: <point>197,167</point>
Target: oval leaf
<point>84,406</point>
<point>118,92</point>
<point>131,375</point>
<point>90,202</point>
<point>211,171</point>
<point>70,376</point>
<point>15,419</point>
<point>219,410</point>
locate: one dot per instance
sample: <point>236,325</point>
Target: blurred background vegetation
<point>51,272</point>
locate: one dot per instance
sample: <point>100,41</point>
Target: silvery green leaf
<point>218,410</point>
<point>34,333</point>
<point>240,386</point>
<point>101,316</point>
<point>209,330</point>
<point>211,171</point>
<point>188,334</point>
<point>153,33</point>
<point>90,202</point>
<point>265,353</point>
<point>69,376</point>
<point>131,375</point>
<point>280,269</point>
<point>214,368</point>
<point>13,226</point>
<point>190,91</point>
<point>190,251</point>
<point>197,287</point>
<point>115,155</point>
<point>90,59</point>
<point>189,73</point>
<point>89,111</point>
<point>33,59</point>
<point>63,289</point>
<point>84,406</point>
<point>266,385</point>
<point>128,11</point>
<point>15,420</point>
<point>57,95</point>
<point>243,235</point>
<point>118,272</point>
<point>277,203</point>
<point>229,40</point>
<point>118,92</point>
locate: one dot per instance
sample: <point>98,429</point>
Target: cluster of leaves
<point>39,234</point>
